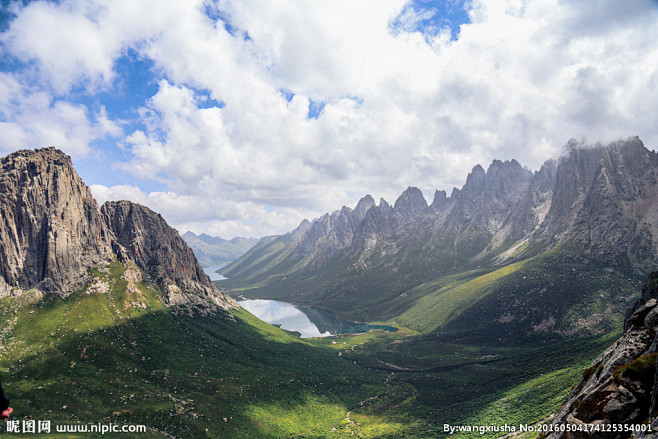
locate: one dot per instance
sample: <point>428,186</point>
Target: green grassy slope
<point>534,296</point>
<point>437,383</point>
<point>104,358</point>
<point>376,292</point>
<point>263,258</point>
<point>127,359</point>
<point>379,287</point>
<point>445,299</point>
<point>548,296</point>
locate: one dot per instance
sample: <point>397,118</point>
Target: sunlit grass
<point>440,306</point>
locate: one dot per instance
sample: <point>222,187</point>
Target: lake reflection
<point>284,314</point>
<point>307,320</point>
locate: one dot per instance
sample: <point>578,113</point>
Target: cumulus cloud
<point>200,214</point>
<point>234,130</point>
<point>30,117</point>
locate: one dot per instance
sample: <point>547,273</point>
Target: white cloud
<point>34,118</point>
<point>68,44</point>
<point>201,214</point>
<point>402,107</point>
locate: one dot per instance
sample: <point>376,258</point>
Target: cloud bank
<point>269,112</point>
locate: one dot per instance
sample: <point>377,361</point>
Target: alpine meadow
<point>329,219</point>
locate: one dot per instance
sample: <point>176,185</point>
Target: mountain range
<point>213,250</point>
<point>107,317</point>
<point>513,254</point>
<point>502,293</point>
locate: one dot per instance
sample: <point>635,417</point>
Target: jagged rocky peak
<point>488,198</point>
<point>51,227</point>
<point>144,237</point>
<point>301,230</point>
<point>575,172</point>
<point>605,197</point>
<point>504,177</point>
<point>53,231</point>
<point>362,207</point>
<point>628,162</point>
<point>475,181</point>
<point>411,203</point>
<point>500,178</point>
<point>440,200</point>
<point>384,208</point>
<point>544,177</point>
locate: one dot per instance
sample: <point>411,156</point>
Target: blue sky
<point>244,117</point>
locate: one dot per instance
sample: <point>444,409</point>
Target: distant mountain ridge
<point>593,209</point>
<point>53,232</point>
<point>213,250</point>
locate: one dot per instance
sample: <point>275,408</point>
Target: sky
<point>243,117</point>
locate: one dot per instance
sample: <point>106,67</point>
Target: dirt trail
<point>354,426</point>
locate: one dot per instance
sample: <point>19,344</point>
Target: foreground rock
<point>619,390</point>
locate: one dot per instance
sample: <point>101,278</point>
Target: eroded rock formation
<point>52,230</point>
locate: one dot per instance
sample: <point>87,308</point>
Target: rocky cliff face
<point>536,203</point>
<point>606,198</point>
<point>620,387</point>
<point>51,227</point>
<point>52,231</point>
<point>144,237</point>
<point>485,205</point>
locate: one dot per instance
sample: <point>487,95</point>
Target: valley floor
<point>125,359</point>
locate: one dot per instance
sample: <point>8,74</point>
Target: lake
<point>307,320</point>
<point>211,271</point>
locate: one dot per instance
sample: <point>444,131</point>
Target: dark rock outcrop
<point>52,231</point>
<point>620,387</point>
<point>144,237</point>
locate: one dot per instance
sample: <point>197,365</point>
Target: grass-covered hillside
<point>526,299</point>
<point>513,258</point>
<point>125,358</point>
